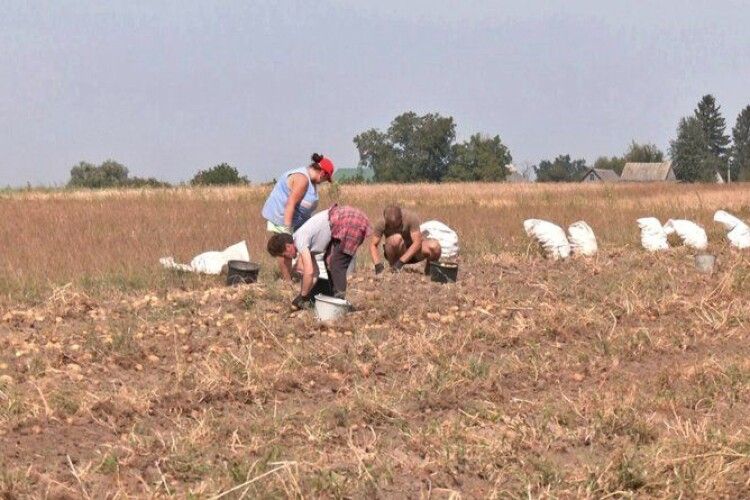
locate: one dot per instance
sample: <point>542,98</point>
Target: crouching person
<point>336,233</point>
<point>403,242</point>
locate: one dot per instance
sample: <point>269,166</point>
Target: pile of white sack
<point>447,237</point>
<point>556,244</point>
<point>738,232</point>
<point>582,239</point>
<point>691,234</point>
<point>211,262</point>
<point>654,235</point>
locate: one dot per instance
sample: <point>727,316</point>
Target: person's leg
<point>393,248</point>
<point>337,266</point>
<point>431,250</point>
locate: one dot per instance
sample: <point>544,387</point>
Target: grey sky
<point>171,87</point>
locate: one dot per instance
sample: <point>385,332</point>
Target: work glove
<point>379,268</point>
<point>286,229</point>
<point>301,302</point>
<point>396,267</point>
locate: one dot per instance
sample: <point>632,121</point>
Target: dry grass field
<point>623,375</point>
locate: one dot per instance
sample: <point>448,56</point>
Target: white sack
<point>210,262</point>
<point>738,232</point>
<point>238,251</point>
<point>653,236</point>
<point>550,236</point>
<point>447,237</point>
<point>727,220</point>
<point>582,239</point>
<point>691,234</point>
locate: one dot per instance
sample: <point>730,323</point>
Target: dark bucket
<point>443,273</point>
<point>322,287</point>
<point>240,271</point>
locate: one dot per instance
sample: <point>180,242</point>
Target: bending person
<point>403,243</point>
<point>293,200</point>
<point>336,233</point>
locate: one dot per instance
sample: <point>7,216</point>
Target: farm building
<point>648,172</point>
<point>514,175</point>
<point>600,175</point>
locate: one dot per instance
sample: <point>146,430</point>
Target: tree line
<point>111,174</point>
<point>703,149</point>
<point>423,148</point>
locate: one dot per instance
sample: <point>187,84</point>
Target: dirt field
<point>622,375</point>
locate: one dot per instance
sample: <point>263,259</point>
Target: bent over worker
<point>404,243</point>
<point>336,233</point>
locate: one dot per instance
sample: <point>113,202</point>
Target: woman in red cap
<point>294,199</point>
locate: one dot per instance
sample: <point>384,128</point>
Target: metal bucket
<point>241,271</point>
<point>705,263</point>
<point>443,272</point>
<point>330,308</point>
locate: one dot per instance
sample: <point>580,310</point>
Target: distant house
<point>648,172</point>
<point>600,175</point>
<point>514,175</point>
<point>350,174</point>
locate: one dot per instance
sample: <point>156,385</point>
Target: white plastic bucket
<point>705,263</point>
<point>330,308</point>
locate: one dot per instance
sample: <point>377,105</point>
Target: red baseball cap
<point>326,166</point>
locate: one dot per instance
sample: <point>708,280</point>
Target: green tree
<point>610,163</point>
<point>479,159</point>
<point>741,147</point>
<point>377,154</point>
<point>149,182</point>
<point>643,153</point>
<point>691,153</point>
<point>219,175</point>
<point>562,169</point>
<point>713,124</point>
<point>414,148</point>
<point>108,174</point>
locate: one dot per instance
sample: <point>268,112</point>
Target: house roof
<point>645,172</point>
<point>605,175</point>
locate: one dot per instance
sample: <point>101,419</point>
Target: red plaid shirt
<point>350,226</point>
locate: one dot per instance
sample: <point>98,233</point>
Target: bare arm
<point>309,272</point>
<point>285,267</point>
<point>416,246</point>
<point>298,189</point>
<point>374,252</point>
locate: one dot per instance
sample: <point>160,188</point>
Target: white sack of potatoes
<point>582,239</point>
<point>653,236</point>
<point>739,237</point>
<point>691,234</point>
<point>447,237</point>
<point>738,232</point>
<point>550,236</point>
<point>210,262</point>
<point>727,220</point>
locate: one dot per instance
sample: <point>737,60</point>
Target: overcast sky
<point>171,87</point>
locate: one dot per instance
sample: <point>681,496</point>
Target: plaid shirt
<point>350,226</point>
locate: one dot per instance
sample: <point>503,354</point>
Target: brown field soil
<point>622,375</point>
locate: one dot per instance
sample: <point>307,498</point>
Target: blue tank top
<point>273,209</point>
